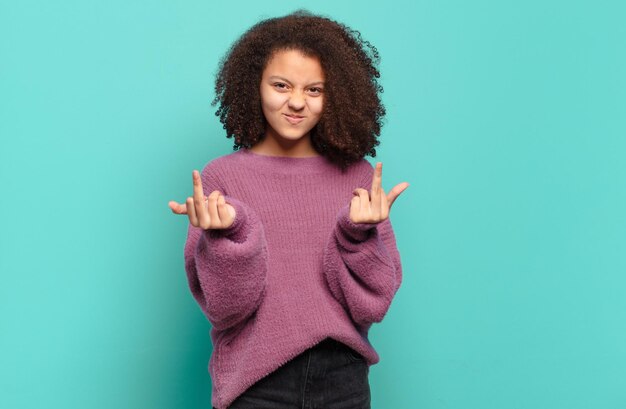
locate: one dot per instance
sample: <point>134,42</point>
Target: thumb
<point>395,192</point>
<point>178,208</point>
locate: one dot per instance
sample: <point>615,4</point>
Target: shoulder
<point>222,163</point>
<point>363,170</point>
<point>361,166</point>
<point>215,170</point>
<point>364,165</point>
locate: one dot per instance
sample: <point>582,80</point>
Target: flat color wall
<point>506,117</point>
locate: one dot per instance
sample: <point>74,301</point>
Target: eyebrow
<point>286,80</point>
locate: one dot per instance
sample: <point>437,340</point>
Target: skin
<point>291,84</point>
<point>374,206</point>
<point>206,212</point>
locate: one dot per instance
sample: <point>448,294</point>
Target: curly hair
<point>352,113</point>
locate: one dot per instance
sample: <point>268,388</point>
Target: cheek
<point>316,105</point>
<point>273,100</point>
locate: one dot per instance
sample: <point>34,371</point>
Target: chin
<point>293,136</point>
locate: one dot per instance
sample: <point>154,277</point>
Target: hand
<point>206,212</point>
<point>364,210</point>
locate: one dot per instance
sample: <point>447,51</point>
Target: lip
<point>293,119</point>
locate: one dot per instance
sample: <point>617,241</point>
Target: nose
<point>296,101</point>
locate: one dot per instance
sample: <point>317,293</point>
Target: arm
<point>362,267</point>
<point>226,268</point>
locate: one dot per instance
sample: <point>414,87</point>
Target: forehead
<point>293,64</point>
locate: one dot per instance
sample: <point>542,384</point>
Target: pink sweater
<point>291,270</point>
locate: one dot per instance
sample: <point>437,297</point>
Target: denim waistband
<point>329,343</point>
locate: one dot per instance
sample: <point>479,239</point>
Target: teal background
<point>507,119</point>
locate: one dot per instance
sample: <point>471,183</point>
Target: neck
<point>273,146</point>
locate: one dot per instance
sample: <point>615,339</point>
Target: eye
<point>280,85</point>
<point>316,90</point>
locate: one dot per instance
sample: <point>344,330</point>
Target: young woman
<point>292,256</point>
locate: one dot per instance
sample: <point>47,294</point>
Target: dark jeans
<point>330,375</point>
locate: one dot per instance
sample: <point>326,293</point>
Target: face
<point>292,95</point>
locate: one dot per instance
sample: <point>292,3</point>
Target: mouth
<point>294,119</point>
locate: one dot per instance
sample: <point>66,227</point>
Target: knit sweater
<point>291,270</point>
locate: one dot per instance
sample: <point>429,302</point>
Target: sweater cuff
<point>355,231</point>
<point>238,231</point>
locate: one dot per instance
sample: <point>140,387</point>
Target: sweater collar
<point>284,164</point>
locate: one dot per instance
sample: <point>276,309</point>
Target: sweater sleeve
<point>362,266</point>
<point>227,268</point>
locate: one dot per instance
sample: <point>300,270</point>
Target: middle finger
<point>377,189</point>
<point>198,194</point>
<point>198,200</point>
<point>377,177</point>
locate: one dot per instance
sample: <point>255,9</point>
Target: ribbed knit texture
<point>291,270</point>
